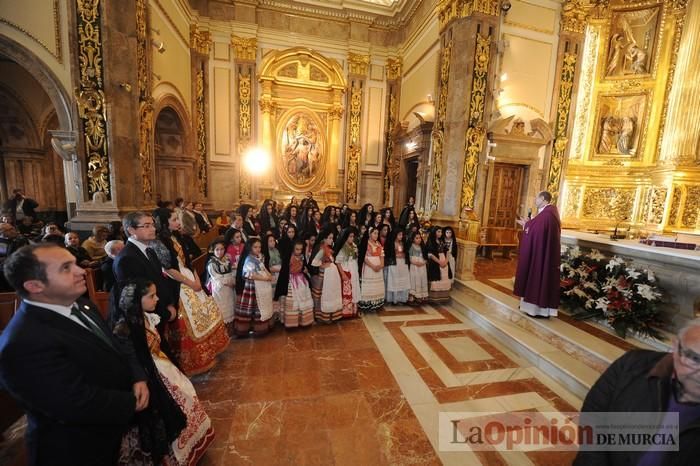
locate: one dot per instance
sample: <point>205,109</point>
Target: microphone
<point>529,213</point>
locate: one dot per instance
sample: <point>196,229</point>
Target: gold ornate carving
<point>585,94</point>
<point>336,112</point>
<point>438,133</point>
<point>315,74</point>
<point>573,201</point>
<point>608,203</point>
<point>675,206</point>
<point>389,152</point>
<point>573,16</point>
<point>244,129</point>
<point>266,104</point>
<point>200,41</point>
<point>614,163</point>
<point>474,140</point>
<point>201,133</point>
<point>354,149</point>
<point>244,105</point>
<point>454,9</point>
<point>393,68</point>
<point>358,64</point>
<point>677,34</point>
<point>691,207</point>
<point>656,201</point>
<point>351,180</point>
<point>244,48</point>
<point>90,97</point>
<point>566,85</point>
<point>143,58</point>
<point>289,71</point>
<point>622,86</point>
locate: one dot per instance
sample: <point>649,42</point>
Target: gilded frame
<point>318,177</point>
<point>614,112</point>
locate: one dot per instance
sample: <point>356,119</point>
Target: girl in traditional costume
<point>371,262</point>
<point>325,281</point>
<point>346,252</point>
<point>273,263</point>
<point>174,429</point>
<point>296,305</point>
<point>451,250</point>
<point>439,273</point>
<point>418,258</point>
<point>222,280</point>
<point>398,281</point>
<point>253,313</point>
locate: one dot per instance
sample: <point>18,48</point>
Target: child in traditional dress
<point>253,312</point>
<point>221,282</point>
<point>234,246</point>
<point>297,305</point>
<point>345,252</point>
<point>273,263</point>
<point>418,258</point>
<point>325,284</point>
<point>174,429</point>
<point>371,261</point>
<point>451,250</point>
<point>398,281</point>
<point>439,273</point>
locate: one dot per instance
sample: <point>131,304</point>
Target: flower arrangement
<point>593,285</point>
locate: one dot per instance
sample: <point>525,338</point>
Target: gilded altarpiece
<point>302,105</point>
<point>617,174</point>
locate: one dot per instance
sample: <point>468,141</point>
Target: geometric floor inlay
<point>464,349</point>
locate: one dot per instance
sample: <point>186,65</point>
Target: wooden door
<point>505,194</point>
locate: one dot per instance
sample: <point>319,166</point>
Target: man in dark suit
<point>59,360</point>
<point>138,260</point>
<point>21,206</point>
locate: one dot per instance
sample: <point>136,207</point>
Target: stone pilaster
<point>244,52</point>
<point>357,78</point>
<point>391,159</point>
<point>200,47</point>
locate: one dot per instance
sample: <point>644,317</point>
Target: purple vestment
<point>537,276</point>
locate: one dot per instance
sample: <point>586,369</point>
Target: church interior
<point>469,109</point>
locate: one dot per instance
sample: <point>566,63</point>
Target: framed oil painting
<point>619,125</point>
<point>631,43</point>
<point>302,150</point>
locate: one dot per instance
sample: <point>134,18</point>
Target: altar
<point>677,270</point>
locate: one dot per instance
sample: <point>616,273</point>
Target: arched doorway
<point>175,161</point>
<point>28,160</point>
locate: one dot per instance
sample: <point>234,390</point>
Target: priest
<point>537,275</point>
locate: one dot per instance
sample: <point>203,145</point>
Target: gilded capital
<point>574,16</point>
<point>393,68</point>
<point>336,112</point>
<point>244,48</point>
<point>266,105</point>
<point>200,41</point>
<point>454,9</point>
<point>358,64</point>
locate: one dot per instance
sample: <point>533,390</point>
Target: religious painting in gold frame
<point>620,125</point>
<point>632,41</point>
<point>301,159</point>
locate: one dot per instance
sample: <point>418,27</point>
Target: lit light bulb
<point>256,161</point>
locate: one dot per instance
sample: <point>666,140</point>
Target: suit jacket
<point>27,207</point>
<point>76,388</point>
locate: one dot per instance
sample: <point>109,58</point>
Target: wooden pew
<point>199,264</point>
<point>9,302</point>
<point>203,240</point>
<point>491,238</point>
<point>100,298</point>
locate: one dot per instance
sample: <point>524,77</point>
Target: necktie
<point>92,326</point>
<point>153,257</point>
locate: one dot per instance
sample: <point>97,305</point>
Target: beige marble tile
<point>464,349</point>
<point>431,314</point>
<point>496,375</point>
<point>448,378</point>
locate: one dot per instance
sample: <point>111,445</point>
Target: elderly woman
<point>95,244</point>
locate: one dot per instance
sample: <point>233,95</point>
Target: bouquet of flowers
<point>593,285</point>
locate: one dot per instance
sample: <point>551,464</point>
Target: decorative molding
<point>90,97</point>
<point>354,149</point>
<point>583,117</point>
<point>656,202</point>
<point>449,10</point>
<point>574,17</point>
<point>390,165</point>
<point>566,86</point>
<point>474,140</point>
<point>438,133</point>
<point>393,68</point>
<point>200,41</point>
<point>691,206</point>
<point>358,64</point>
<point>244,48</point>
<point>201,132</point>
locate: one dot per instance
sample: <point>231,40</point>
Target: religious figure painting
<point>302,149</point>
<point>619,124</point>
<point>631,42</point>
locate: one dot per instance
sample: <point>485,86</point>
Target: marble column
<point>244,53</point>
<point>573,25</point>
<point>681,138</point>
<point>467,38</point>
<point>357,78</point>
